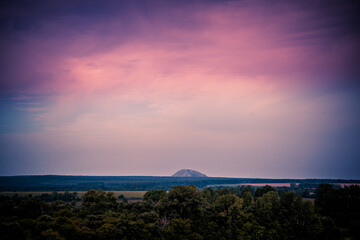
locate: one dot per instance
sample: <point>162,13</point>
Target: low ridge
<point>188,173</point>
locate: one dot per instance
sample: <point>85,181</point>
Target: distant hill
<point>188,173</point>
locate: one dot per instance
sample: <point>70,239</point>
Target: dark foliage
<point>185,213</point>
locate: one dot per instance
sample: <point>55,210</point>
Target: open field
<point>127,194</point>
<point>251,184</point>
<point>269,184</point>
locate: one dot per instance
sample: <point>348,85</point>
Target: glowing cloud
<point>229,88</point>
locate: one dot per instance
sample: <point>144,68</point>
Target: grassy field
<point>127,194</point>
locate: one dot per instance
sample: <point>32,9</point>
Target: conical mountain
<point>188,173</point>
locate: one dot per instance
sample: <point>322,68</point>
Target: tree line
<point>186,213</point>
<point>137,183</point>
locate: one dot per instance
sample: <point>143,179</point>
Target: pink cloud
<point>229,42</point>
<point>229,86</point>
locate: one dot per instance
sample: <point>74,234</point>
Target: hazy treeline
<point>187,213</point>
<point>133,183</point>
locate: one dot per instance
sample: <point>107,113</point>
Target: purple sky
<point>229,88</point>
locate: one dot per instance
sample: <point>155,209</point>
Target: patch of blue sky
<point>17,113</point>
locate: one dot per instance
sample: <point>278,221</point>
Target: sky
<point>267,89</point>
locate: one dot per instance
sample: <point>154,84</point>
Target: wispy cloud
<point>239,87</point>
<point>33,109</point>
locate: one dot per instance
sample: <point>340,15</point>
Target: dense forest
<point>134,183</point>
<point>185,213</point>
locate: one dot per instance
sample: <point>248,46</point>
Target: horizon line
<point>81,175</point>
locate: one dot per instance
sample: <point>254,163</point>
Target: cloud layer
<point>230,88</point>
